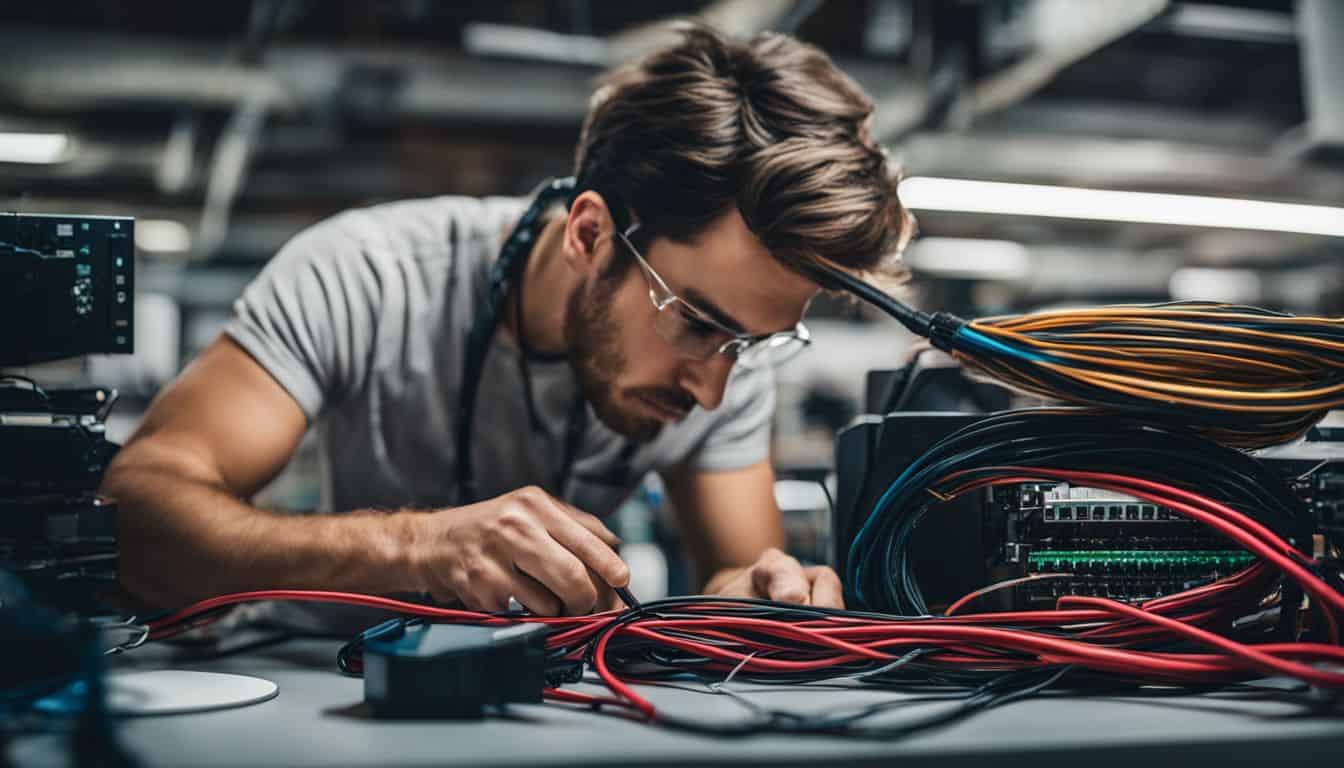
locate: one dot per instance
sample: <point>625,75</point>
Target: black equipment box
<point>947,548</point>
<point>447,670</point>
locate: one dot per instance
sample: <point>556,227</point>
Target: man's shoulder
<point>420,229</point>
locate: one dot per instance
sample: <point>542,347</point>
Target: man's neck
<point>546,284</point>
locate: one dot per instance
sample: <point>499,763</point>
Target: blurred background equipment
<point>66,289</point>
<point>66,285</point>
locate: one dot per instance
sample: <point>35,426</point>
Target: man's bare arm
<point>225,428</point>
<point>212,439</point>
<point>734,532</point>
<point>727,519</point>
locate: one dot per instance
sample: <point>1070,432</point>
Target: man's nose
<point>706,379</point>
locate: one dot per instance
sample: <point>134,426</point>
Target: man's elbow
<point>148,559</point>
<point>136,567</point>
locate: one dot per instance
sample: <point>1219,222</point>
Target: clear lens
<point>696,339</point>
<point>772,351</point>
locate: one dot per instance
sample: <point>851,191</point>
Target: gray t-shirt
<point>363,319</point>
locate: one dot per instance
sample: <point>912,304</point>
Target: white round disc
<point>177,691</point>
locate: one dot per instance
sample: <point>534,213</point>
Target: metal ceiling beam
<point>1058,34</point>
<point>1225,22</point>
<point>49,70</point>
<point>1063,32</point>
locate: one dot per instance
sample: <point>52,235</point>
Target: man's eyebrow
<point>707,305</point>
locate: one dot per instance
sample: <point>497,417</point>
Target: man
<point>628,324</point>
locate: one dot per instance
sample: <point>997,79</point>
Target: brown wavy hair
<point>769,126</point>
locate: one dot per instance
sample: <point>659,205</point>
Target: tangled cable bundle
<point>1243,376</point>
<point>970,661</point>
<point>1223,488</point>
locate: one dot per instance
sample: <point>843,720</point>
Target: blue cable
<point>979,338</point>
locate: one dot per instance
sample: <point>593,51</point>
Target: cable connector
<point>943,329</point>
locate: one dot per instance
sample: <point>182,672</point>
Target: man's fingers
<point>560,571</point>
<point>488,590</point>
<point>779,577</point>
<point>607,599</point>
<point>534,596</point>
<point>826,589</point>
<point>591,522</point>
<point>567,526</point>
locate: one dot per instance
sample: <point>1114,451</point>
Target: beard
<point>593,339</point>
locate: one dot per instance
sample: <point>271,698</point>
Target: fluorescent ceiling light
<point>968,258</point>
<point>935,194</point>
<point>486,39</point>
<point>35,148</point>
<point>1232,286</point>
<point>162,236</point>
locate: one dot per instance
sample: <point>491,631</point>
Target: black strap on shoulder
<point>507,268</point>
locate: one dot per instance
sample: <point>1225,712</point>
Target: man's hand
<point>526,544</point>
<point>777,576</point>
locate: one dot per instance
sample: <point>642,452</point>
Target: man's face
<point>635,380</point>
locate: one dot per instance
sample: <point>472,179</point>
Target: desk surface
<point>318,719</point>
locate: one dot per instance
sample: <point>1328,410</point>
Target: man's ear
<point>588,231</point>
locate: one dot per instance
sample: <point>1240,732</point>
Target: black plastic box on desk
<point>455,671</point>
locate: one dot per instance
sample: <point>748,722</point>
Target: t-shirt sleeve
<point>309,317</point>
<point>739,434</point>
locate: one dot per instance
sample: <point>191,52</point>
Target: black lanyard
<point>506,269</point>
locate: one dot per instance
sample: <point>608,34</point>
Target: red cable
<point>1256,659</point>
<point>371,601</point>
<point>614,683</point>
<point>576,697</point>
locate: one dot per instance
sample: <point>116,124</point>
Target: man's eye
<point>697,325</point>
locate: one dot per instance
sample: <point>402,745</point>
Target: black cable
<point>830,500</point>
<point>1003,689</point>
<point>37,396</point>
<point>831,278</point>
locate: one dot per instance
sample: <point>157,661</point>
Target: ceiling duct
<point>1321,25</point>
